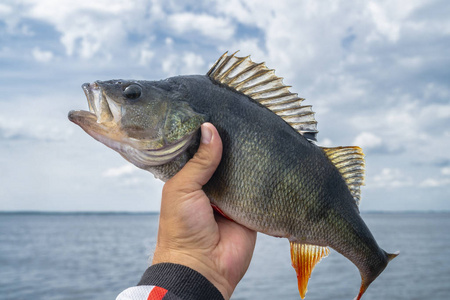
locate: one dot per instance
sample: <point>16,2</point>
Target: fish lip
<point>88,89</point>
<point>81,116</point>
<point>102,106</point>
<point>98,120</point>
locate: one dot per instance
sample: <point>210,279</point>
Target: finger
<point>201,167</point>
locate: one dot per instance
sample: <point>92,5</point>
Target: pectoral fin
<point>304,258</point>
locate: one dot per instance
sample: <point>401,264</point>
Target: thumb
<point>199,169</point>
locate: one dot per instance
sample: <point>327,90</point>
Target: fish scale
<point>272,177</point>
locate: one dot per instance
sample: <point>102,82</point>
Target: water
<point>96,256</point>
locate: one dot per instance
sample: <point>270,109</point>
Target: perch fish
<point>272,178</point>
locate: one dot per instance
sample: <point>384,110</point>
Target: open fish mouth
<point>103,123</point>
<point>101,105</point>
<point>102,109</point>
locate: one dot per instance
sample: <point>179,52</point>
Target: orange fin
<point>304,258</point>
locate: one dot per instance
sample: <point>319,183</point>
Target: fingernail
<point>206,134</point>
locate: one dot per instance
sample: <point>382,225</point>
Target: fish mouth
<point>103,118</point>
<point>102,122</point>
<point>105,109</point>
<point>102,109</point>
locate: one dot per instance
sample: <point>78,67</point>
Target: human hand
<point>191,234</point>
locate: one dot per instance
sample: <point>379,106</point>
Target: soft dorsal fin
<point>350,163</point>
<point>261,84</point>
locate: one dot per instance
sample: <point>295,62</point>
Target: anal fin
<point>304,258</point>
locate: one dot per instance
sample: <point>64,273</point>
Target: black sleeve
<point>181,281</point>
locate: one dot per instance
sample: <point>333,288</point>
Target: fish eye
<point>132,91</point>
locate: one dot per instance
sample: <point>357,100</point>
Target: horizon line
<point>124,212</point>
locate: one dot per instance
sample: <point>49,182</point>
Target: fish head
<point>147,124</point>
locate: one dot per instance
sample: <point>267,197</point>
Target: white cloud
<point>435,182</point>
<point>326,142</point>
<point>390,178</point>
<point>86,37</point>
<point>410,125</point>
<point>13,128</point>
<point>432,90</point>
<point>367,140</point>
<point>375,72</point>
<point>248,46</point>
<point>129,176</point>
<point>89,28</point>
<point>168,64</point>
<point>120,171</point>
<point>146,57</point>
<point>42,55</point>
<point>5,9</point>
<point>445,171</point>
<point>390,17</point>
<point>384,25</point>
<point>193,63</point>
<point>169,42</point>
<point>216,28</point>
<point>183,63</point>
<point>133,181</point>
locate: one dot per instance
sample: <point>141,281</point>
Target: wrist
<point>200,263</point>
<point>181,281</point>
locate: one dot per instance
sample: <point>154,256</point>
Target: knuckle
<point>202,159</point>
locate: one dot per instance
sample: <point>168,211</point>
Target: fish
<point>273,177</point>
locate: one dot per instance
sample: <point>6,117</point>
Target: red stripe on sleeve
<point>157,293</point>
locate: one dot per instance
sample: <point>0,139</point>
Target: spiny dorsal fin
<point>261,84</point>
<point>350,163</point>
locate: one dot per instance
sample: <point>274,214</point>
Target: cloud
<point>129,176</point>
<point>441,181</point>
<point>213,27</point>
<point>120,171</point>
<point>435,182</point>
<point>367,140</point>
<point>42,55</point>
<point>87,28</point>
<point>193,63</point>
<point>12,128</point>
<point>5,10</point>
<point>146,56</point>
<point>390,17</point>
<point>445,171</point>
<point>411,125</point>
<point>377,77</point>
<point>326,142</point>
<point>391,178</point>
<point>183,63</point>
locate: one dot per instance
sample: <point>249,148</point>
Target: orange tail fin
<point>304,258</point>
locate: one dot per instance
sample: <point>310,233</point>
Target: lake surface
<point>96,256</point>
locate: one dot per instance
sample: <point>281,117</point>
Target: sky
<point>377,74</point>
